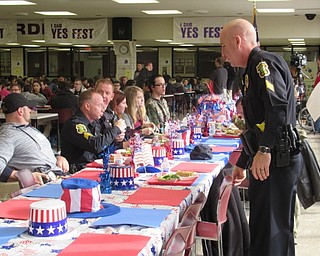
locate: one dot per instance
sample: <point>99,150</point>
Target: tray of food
<point>172,179</point>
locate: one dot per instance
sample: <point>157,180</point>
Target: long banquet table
<point>24,244</point>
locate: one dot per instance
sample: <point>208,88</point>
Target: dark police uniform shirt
<point>82,141</point>
<point>268,101</point>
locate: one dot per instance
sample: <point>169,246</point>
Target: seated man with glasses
<point>156,106</point>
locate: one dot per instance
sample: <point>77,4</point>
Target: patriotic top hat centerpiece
<point>48,218</point>
<point>178,146</point>
<point>122,177</point>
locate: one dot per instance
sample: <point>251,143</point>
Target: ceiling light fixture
<point>289,10</point>
<point>295,39</point>
<point>136,1</point>
<point>30,45</point>
<point>12,44</point>
<point>65,43</point>
<point>38,41</point>
<point>81,45</point>
<point>161,12</point>
<point>16,3</point>
<point>268,0</point>
<point>163,40</point>
<point>56,13</point>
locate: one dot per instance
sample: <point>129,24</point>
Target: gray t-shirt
<point>24,147</point>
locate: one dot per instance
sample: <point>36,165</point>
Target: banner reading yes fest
<point>8,31</point>
<point>76,31</point>
<point>197,30</point>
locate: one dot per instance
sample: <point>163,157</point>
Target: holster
<point>288,145</point>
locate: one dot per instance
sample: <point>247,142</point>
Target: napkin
<point>222,149</point>
<point>105,244</point>
<point>135,216</point>
<point>92,174</point>
<point>17,209</point>
<point>47,191</point>
<point>7,233</point>
<point>222,142</point>
<point>94,164</point>
<point>195,167</point>
<point>157,196</point>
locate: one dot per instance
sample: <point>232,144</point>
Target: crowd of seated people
<point>106,112</point>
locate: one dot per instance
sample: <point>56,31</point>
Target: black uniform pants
<point>272,211</point>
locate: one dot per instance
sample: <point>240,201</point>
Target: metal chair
<point>171,102</point>
<point>211,230</point>
<point>190,218</point>
<point>177,242</point>
<point>64,114</point>
<point>26,182</point>
<point>180,102</point>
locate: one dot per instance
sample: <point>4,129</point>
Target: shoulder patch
<point>263,69</point>
<point>81,128</point>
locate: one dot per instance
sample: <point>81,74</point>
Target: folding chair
<point>64,114</point>
<point>190,218</point>
<point>26,182</point>
<point>177,242</point>
<point>211,230</point>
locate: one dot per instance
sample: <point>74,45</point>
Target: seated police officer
<point>82,138</point>
<point>23,146</point>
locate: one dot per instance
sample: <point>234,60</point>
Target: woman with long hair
<point>136,110</point>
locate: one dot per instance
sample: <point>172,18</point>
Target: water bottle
<point>212,129</point>
<point>165,166</point>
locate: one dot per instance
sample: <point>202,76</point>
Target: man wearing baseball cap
<point>13,102</point>
<point>21,145</point>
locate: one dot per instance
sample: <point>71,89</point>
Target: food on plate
<point>169,177</point>
<point>185,173</point>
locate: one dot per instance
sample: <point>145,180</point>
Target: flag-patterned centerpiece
<point>159,153</point>
<point>81,195</point>
<point>178,146</point>
<point>122,177</point>
<point>185,135</point>
<point>197,133</point>
<point>48,218</point>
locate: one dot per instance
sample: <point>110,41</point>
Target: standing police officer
<point>269,109</point>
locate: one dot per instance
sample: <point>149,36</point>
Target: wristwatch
<point>264,150</point>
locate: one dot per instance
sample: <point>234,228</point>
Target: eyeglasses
<point>163,85</point>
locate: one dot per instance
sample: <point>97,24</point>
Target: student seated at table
<point>156,106</point>
<point>82,137</point>
<point>22,146</point>
<point>107,122</point>
<point>136,111</point>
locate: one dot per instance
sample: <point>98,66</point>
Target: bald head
<point>238,38</point>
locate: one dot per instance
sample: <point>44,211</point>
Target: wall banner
<point>197,30</point>
<point>8,31</point>
<point>76,31</point>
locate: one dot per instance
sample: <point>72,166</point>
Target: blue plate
<point>147,169</point>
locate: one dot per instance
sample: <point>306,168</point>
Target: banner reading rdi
<point>197,30</point>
